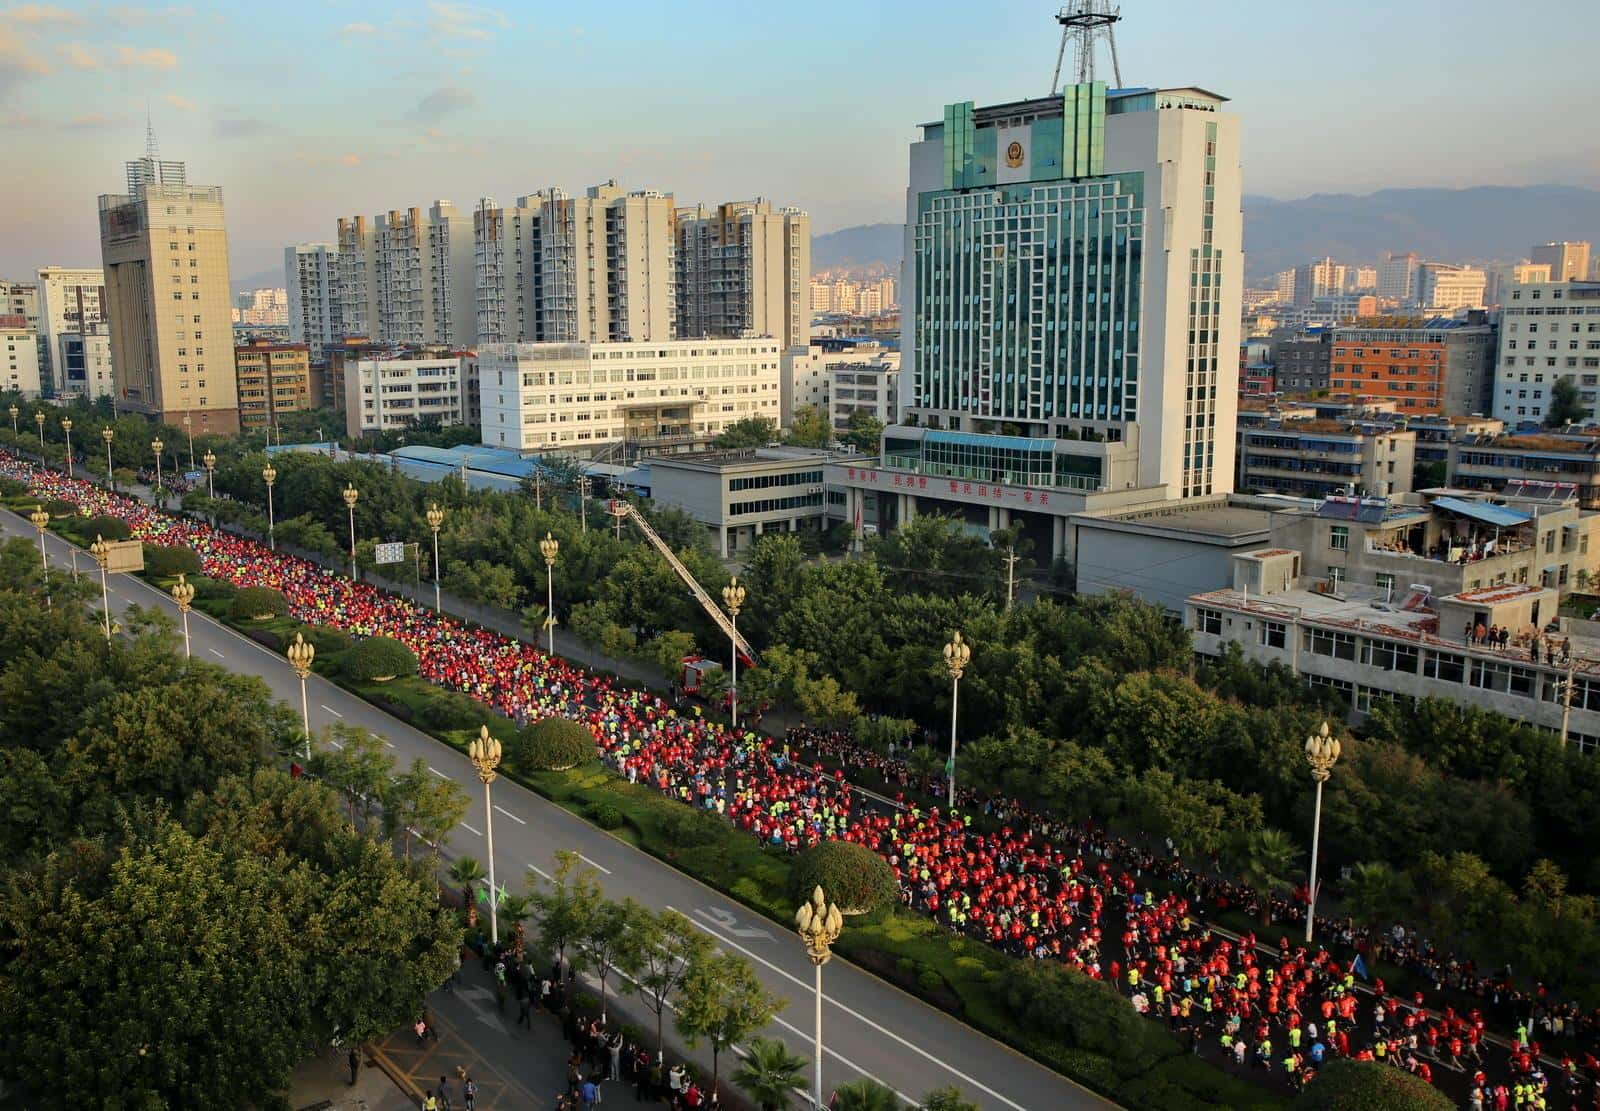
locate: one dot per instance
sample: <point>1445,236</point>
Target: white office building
<point>1445,287</point>
<point>84,359</point>
<point>807,371</point>
<point>311,274</point>
<point>19,360</point>
<point>1549,331</point>
<point>391,391</point>
<point>69,301</point>
<point>568,396</point>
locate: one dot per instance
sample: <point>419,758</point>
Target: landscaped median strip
<point>967,973</point>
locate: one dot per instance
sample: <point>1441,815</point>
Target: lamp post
<point>38,418</point>
<point>269,475</point>
<point>210,460</point>
<point>733,597</point>
<point>41,521</point>
<point>300,656</point>
<point>183,594</point>
<point>102,555</point>
<point>484,752</point>
<point>109,434</point>
<point>1322,753</point>
<point>66,426</point>
<point>188,426</point>
<point>956,655</point>
<point>14,412</point>
<point>83,511</point>
<point>350,496</point>
<point>549,546</point>
<point>155,446</point>
<point>819,924</point>
<point>435,519</point>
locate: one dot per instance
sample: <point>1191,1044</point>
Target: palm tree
<point>865,1095</point>
<point>770,1072</point>
<point>714,686</point>
<point>1266,858</point>
<point>468,873</point>
<point>514,910</point>
<point>1372,891</point>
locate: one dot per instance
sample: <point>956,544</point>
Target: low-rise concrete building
<point>391,390</point>
<point>1369,645</point>
<point>871,388</point>
<point>1489,462</point>
<point>1316,458</point>
<point>741,494</point>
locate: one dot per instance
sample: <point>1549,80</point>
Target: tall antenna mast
<point>1083,22</point>
<point>151,151</point>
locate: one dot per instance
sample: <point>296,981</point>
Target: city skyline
<point>322,111</point>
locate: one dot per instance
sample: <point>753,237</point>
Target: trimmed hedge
<point>110,528</point>
<point>853,877</point>
<point>327,640</point>
<point>379,658</point>
<point>60,507</point>
<point>210,590</point>
<point>258,601</point>
<point>1346,1085</point>
<point>162,562</point>
<point>553,745</point>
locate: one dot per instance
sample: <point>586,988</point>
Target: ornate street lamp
<point>269,475</point>
<point>102,555</point>
<point>351,494</point>
<point>66,426</point>
<point>300,656</point>
<point>435,519</point>
<point>183,594</point>
<point>956,656</point>
<point>210,460</point>
<point>188,426</point>
<point>108,434</point>
<point>41,521</point>
<point>1322,753</point>
<point>38,418</point>
<point>548,547</point>
<point>155,446</point>
<point>484,752</point>
<point>819,924</point>
<point>733,597</point>
<point>14,412</point>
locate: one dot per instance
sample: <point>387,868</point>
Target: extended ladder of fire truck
<point>622,509</point>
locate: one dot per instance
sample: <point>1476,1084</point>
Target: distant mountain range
<point>1451,225</point>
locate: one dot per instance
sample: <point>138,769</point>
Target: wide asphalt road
<point>870,1028</point>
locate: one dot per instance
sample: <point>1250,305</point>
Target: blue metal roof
<point>1497,515</point>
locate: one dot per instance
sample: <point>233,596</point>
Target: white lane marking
<point>510,815</point>
<point>330,709</point>
<point>336,744</point>
<point>388,742</point>
<point>437,772</point>
<point>465,826</point>
<point>861,1018</point>
<point>541,871</point>
<point>215,653</point>
<point>602,867</point>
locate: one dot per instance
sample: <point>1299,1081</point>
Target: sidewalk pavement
<point>323,1082</point>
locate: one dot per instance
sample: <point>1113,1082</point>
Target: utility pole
<point>583,501</point>
<point>1011,559</point>
<point>1566,701</point>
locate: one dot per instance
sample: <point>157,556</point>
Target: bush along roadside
<point>950,972</point>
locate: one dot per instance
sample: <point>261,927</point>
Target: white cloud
<point>80,56</point>
<point>181,103</point>
<point>466,21</point>
<point>445,99</point>
<point>357,29</point>
<point>17,64</point>
<point>155,57</point>
<point>351,160</point>
<point>41,14</point>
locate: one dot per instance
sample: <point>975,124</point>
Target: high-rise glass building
<point>1071,298</point>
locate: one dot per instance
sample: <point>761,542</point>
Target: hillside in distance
<point>1451,225</point>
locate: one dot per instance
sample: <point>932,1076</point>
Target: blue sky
<point>304,111</point>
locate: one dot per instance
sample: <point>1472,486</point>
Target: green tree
<point>714,685</point>
<point>864,1094</point>
<point>1374,893</point>
<point>1265,859</point>
<point>562,907</point>
<point>489,584</point>
<point>810,428</point>
<point>1566,407</point>
<point>668,650</point>
<point>1349,1085</point>
<point>770,1072</point>
<point>723,1001</point>
<point>863,432</point>
<point>419,803</point>
<point>354,763</point>
<point>514,910</point>
<point>749,432</point>
<point>666,945</point>
<point>605,943</point>
<point>947,1099</point>
<point>467,874</point>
